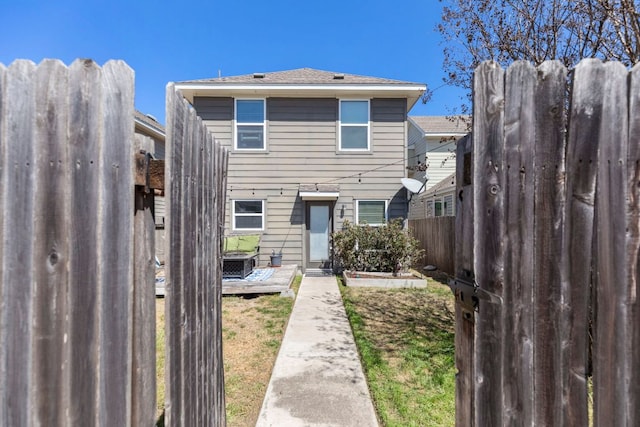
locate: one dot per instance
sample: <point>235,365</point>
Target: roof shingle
<point>305,76</point>
<point>442,124</point>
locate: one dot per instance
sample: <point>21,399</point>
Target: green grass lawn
<point>406,342</point>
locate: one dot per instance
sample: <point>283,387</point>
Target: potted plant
<point>276,259</point>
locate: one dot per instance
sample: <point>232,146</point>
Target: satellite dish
<point>413,185</point>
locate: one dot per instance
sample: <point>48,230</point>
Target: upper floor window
<point>354,125</point>
<point>250,120</point>
<point>248,214</point>
<point>371,212</point>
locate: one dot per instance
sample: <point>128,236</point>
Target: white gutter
<point>410,91</point>
<point>157,133</point>
<point>445,135</point>
<point>294,87</point>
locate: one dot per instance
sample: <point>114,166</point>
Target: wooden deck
<point>279,282</point>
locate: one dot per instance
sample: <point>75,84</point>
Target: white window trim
<point>233,214</point>
<point>386,208</point>
<point>263,124</point>
<point>368,125</point>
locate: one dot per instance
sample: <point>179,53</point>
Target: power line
<point>334,180</point>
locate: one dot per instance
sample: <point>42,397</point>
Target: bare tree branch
<point>536,30</point>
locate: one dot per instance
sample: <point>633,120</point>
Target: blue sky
<point>167,41</point>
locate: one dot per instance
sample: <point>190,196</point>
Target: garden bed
<point>382,280</point>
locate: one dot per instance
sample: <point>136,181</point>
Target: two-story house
<point>309,149</point>
<point>431,152</point>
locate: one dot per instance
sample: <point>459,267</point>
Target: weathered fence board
<point>465,320</point>
<point>612,330</point>
<point>632,352</point>
<point>53,225</point>
<point>518,190</point>
<point>488,179</point>
<point>143,386</point>
<point>437,237</point>
<point>548,211</point>
<point>556,247</point>
<point>115,241</point>
<point>66,137</point>
<point>197,166</point>
<point>576,261</point>
<point>173,225</point>
<point>17,227</point>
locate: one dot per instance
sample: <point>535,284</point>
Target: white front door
<point>319,234</point>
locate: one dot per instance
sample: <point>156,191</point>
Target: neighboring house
<point>431,152</point>
<point>309,149</point>
<point>439,200</point>
<point>147,125</point>
<point>432,145</point>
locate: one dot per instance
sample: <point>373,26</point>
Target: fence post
<point>143,330</point>
<point>465,319</point>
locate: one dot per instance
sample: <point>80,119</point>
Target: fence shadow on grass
<point>397,319</point>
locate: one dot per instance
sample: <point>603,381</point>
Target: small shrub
<point>388,248</point>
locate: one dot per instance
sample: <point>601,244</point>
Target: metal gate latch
<point>469,294</point>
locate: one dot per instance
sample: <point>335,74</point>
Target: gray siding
<point>217,113</point>
<point>440,158</point>
<point>417,149</point>
<point>302,148</point>
<point>438,152</point>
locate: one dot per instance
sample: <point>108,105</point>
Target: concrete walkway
<point>317,379</point>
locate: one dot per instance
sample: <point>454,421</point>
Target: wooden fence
<point>552,242</point>
<point>437,238</point>
<point>77,303</point>
<point>196,200</point>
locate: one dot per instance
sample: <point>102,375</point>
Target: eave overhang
<point>412,92</point>
<point>319,192</point>
<point>319,195</point>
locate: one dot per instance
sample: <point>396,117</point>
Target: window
<point>354,125</point>
<point>248,214</point>
<point>250,114</point>
<point>448,205</point>
<point>429,208</point>
<point>371,212</point>
<point>438,207</point>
